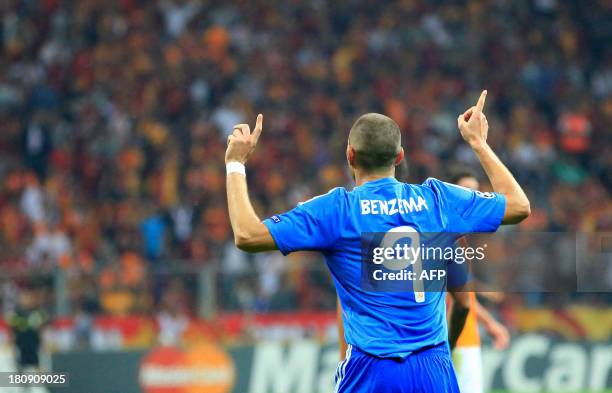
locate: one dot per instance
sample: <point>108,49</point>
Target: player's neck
<point>362,178</point>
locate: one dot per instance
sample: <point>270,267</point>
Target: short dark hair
<point>376,140</point>
<point>457,173</point>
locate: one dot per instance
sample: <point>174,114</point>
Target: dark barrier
<point>533,363</point>
<point>99,372</point>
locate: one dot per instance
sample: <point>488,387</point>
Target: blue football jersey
<point>384,324</point>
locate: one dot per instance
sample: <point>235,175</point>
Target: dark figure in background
<point>26,326</point>
<point>37,145</point>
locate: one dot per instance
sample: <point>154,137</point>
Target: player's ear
<point>400,156</point>
<point>350,155</point>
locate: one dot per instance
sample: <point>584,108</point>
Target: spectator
<point>153,231</point>
<point>37,145</point>
<point>50,248</point>
<point>113,108</point>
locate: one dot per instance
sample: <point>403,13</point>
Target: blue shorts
<point>429,370</point>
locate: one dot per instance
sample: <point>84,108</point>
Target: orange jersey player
<point>467,357</point>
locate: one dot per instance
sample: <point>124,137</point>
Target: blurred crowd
<point>114,118</point>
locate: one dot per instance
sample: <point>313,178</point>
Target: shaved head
<point>376,140</point>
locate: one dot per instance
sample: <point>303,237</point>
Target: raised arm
<point>474,129</point>
<point>250,234</point>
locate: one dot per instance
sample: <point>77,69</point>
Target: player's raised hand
<point>242,142</point>
<point>473,123</point>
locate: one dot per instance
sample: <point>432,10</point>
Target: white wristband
<point>235,167</point>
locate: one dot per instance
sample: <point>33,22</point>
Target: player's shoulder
<point>439,186</point>
<point>430,187</point>
<point>432,182</point>
<point>454,191</point>
<point>329,198</point>
<point>438,190</point>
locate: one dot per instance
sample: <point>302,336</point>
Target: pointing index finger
<point>258,126</point>
<point>481,101</point>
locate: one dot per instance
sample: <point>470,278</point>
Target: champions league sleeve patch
<point>488,195</point>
